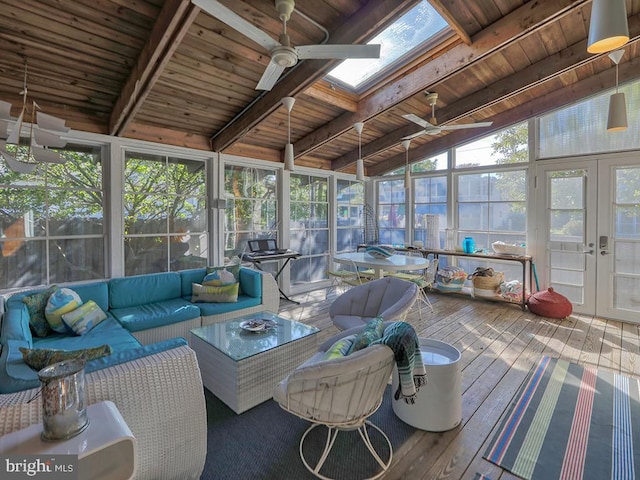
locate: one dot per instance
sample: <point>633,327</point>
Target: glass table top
<point>238,343</point>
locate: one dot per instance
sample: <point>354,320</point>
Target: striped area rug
<point>571,423</point>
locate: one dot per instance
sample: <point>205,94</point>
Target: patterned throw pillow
<point>224,275</point>
<point>372,332</point>
<point>340,348</point>
<point>60,302</point>
<point>36,304</point>
<point>84,318</point>
<point>38,358</point>
<point>208,293</point>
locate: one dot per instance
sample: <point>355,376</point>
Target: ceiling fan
<point>283,55</point>
<point>431,127</point>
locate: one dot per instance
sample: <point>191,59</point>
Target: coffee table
<point>242,368</point>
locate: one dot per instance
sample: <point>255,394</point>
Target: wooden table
<point>393,263</point>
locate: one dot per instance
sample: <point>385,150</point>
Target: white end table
<point>106,449</point>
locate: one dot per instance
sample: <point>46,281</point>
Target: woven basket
<point>488,283</point>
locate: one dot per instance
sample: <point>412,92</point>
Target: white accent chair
<point>388,297</point>
<point>340,393</point>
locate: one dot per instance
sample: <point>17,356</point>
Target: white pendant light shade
<point>617,119</point>
<point>288,148</point>
<point>360,170</point>
<point>359,162</point>
<point>288,157</point>
<point>608,28</point>
<point>407,168</point>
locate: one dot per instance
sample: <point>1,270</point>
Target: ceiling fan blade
<point>337,51</point>
<point>466,125</point>
<point>270,76</point>
<point>414,135</point>
<point>420,121</point>
<point>235,21</point>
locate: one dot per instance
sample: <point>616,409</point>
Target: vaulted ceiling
<point>167,72</point>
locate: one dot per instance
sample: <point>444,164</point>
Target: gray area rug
<point>263,443</point>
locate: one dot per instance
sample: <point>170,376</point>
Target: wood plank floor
<point>499,344</point>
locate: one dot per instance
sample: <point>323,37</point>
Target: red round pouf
<point>550,304</point>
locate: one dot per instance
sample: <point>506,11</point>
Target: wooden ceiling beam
<point>367,21</point>
<point>326,92</point>
<point>542,71</point>
<point>450,19</point>
<point>552,101</point>
<point>172,24</point>
<point>524,21</point>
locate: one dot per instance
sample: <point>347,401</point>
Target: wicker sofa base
<point>160,397</point>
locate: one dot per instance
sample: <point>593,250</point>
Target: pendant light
<point>608,28</point>
<point>288,148</point>
<point>617,119</point>
<point>359,163</point>
<point>407,168</point>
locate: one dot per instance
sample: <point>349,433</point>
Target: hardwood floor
<point>499,345</point>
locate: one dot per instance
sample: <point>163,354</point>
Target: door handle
<point>604,252</point>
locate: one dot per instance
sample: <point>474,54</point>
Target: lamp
<point>608,28</point>
<point>288,148</point>
<point>407,169</point>
<point>359,163</point>
<point>617,119</point>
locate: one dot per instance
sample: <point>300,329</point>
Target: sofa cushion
<point>188,278</point>
<point>63,300</point>
<point>153,315</point>
<point>84,318</point>
<point>38,358</point>
<point>217,294</point>
<point>36,305</point>
<point>251,283</point>
<point>143,289</point>
<point>244,301</point>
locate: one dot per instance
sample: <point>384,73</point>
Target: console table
<point>524,260</point>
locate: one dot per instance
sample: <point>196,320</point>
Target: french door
<point>589,242</point>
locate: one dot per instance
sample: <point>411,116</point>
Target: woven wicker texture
<point>161,399</point>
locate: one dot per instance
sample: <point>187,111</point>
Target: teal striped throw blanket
<point>403,340</point>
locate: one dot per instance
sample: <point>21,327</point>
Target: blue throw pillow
<point>372,332</point>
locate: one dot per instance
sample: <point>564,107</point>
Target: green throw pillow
<point>84,318</point>
<point>340,348</point>
<point>36,304</point>
<point>221,294</point>
<point>38,358</point>
<point>372,332</point>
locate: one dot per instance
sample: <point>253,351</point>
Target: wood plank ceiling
<point>165,71</point>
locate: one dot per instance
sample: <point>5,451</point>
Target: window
<point>582,128</point>
<point>391,211</point>
<point>507,146</point>
<point>251,209</point>
<point>165,215</point>
<point>350,212</point>
<point>437,162</point>
<point>430,209</point>
<point>52,221</point>
<point>417,27</point>
<point>309,227</point>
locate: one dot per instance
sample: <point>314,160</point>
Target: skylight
<point>401,38</point>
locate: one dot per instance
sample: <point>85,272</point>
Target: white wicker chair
<point>388,297</point>
<point>340,394</point>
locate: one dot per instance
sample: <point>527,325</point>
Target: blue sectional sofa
<point>146,314</point>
